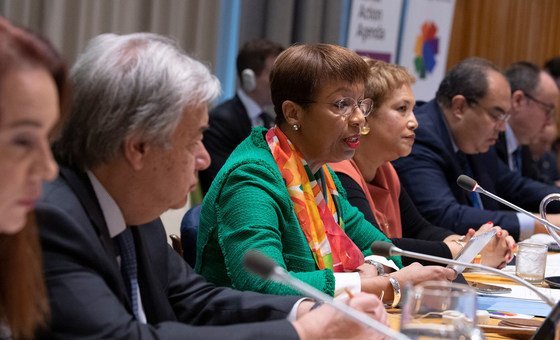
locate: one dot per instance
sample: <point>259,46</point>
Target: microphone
<point>387,249</point>
<point>261,265</point>
<point>469,184</point>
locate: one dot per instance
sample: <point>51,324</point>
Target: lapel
<point>148,238</point>
<point>501,148</point>
<point>486,167</point>
<point>528,167</point>
<point>456,166</point>
<point>81,186</point>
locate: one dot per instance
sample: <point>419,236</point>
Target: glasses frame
<point>547,108</point>
<point>499,118</point>
<point>336,104</point>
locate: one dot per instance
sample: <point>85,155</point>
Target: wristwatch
<point>378,266</point>
<point>396,291</point>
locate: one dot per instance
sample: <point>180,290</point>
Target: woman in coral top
<point>373,185</point>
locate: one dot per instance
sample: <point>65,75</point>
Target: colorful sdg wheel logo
<point>426,49</point>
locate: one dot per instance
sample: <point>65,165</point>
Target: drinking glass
<point>530,263</point>
<point>439,310</point>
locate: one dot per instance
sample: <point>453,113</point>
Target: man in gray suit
<point>129,151</point>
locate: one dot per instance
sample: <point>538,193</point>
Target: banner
<point>374,28</point>
<point>425,43</point>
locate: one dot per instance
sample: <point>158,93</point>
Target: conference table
<point>491,328</point>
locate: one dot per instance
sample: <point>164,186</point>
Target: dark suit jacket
<point>229,125</point>
<point>430,173</point>
<point>87,292</point>
<point>529,167</point>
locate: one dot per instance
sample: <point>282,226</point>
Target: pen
<point>501,313</point>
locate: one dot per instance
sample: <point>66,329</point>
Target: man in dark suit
<point>455,136</point>
<point>231,122</point>
<point>129,151</point>
<point>533,102</point>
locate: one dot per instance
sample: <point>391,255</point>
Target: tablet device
<point>472,248</point>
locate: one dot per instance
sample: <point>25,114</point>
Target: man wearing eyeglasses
<point>533,102</point>
<point>456,135</point>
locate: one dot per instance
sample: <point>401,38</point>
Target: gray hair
<point>524,76</point>
<point>468,78</point>
<point>129,84</point>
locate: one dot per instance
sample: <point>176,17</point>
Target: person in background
<point>544,156</point>
<point>552,66</point>
<point>276,194</point>
<point>373,186</point>
<point>533,102</point>
<point>33,90</point>
<point>130,150</point>
<point>231,121</point>
<point>456,134</point>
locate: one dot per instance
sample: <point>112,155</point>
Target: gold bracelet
<point>460,243</point>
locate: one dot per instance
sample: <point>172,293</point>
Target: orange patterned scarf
<point>317,210</point>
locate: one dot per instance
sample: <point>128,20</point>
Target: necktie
<point>516,155</point>
<point>476,201</point>
<point>266,119</point>
<point>129,268</point>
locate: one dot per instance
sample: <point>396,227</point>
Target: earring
<point>364,130</point>
<point>295,127</point>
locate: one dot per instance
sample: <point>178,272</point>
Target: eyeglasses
<point>346,106</point>
<point>547,108</point>
<point>498,117</point>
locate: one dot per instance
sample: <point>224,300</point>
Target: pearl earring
<point>295,127</point>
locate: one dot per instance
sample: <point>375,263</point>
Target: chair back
<point>189,231</point>
<point>176,243</point>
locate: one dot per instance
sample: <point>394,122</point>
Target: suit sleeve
<point>415,225</point>
<point>426,175</point>
<point>356,197</point>
<point>84,303</point>
<point>523,191</point>
<point>361,231</point>
<point>412,233</point>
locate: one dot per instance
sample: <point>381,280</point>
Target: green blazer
<point>248,207</point>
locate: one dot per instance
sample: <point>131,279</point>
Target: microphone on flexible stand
<point>469,184</point>
<point>261,265</point>
<point>388,249</point>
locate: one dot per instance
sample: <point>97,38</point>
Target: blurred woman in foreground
<point>32,91</point>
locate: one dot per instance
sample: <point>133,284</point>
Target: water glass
<point>439,310</point>
<point>530,263</point>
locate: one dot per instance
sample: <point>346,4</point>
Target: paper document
<point>520,306</point>
<point>384,261</point>
<point>524,293</point>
